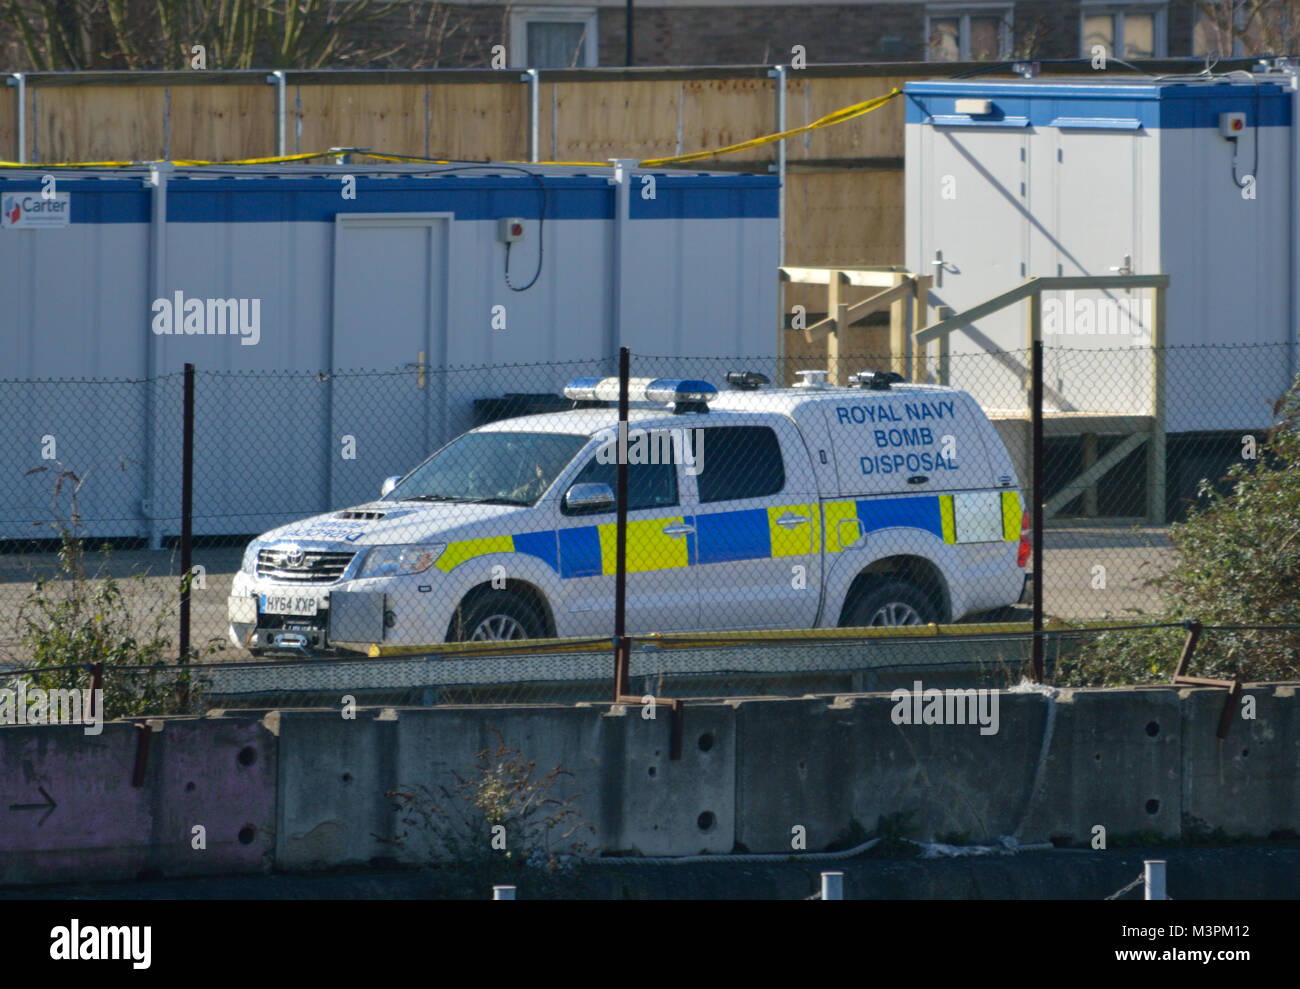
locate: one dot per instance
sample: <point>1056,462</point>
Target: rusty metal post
<point>143,735</point>
<point>96,685</point>
<point>1189,649</point>
<point>1229,706</point>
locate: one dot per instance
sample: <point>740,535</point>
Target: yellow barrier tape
<point>180,162</point>
<point>837,117</point>
<point>71,164</point>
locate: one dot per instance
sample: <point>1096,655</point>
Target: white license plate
<point>289,604</point>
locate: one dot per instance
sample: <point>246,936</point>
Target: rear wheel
<point>498,616</point>
<point>891,603</point>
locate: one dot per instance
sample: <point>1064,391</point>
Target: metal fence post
<point>19,81</point>
<point>628,57</point>
<point>1153,875</point>
<point>187,508</point>
<point>1036,416</point>
<point>778,73</point>
<point>1156,452</point>
<point>533,78</point>
<point>277,79</point>
<point>622,659</point>
<point>156,183</point>
<point>832,885</point>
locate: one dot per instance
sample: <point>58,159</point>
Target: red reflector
<point>1022,557</point>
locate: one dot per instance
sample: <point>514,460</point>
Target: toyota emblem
<point>293,555</point>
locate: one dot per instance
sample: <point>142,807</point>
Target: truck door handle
<point>678,529</point>
<point>789,520</point>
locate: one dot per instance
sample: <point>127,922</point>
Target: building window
<point>967,34</point>
<point>1136,31</point>
<point>553,37</point>
<point>1234,32</point>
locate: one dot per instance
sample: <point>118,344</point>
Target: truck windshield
<point>500,468</point>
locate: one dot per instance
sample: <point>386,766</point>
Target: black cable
<point>1254,168</point>
<point>480,166</point>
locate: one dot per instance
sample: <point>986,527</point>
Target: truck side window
<point>648,485</point>
<point>740,462</point>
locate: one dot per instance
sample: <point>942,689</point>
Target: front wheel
<point>495,617</point>
<point>891,603</point>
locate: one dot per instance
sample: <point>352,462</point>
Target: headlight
<point>249,564</point>
<point>396,561</point>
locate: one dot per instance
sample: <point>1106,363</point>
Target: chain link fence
<point>854,499</point>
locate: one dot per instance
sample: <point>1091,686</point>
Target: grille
<point>316,567</point>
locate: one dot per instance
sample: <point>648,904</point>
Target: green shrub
<point>1237,562</point>
<point>70,622</point>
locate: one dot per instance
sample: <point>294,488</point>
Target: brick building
<point>555,33</point>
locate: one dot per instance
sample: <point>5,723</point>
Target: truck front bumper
<point>343,618</point>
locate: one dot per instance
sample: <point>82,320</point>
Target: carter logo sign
<point>27,210</point>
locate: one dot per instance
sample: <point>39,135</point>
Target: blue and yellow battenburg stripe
<point>752,533</point>
<point>964,517</point>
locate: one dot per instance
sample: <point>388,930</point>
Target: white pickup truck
<point>881,503</point>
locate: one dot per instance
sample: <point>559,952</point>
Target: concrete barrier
<point>335,773</point>
<point>308,789</point>
<point>71,809</point>
<point>825,763</point>
<point>1113,761</point>
<point>1246,783</point>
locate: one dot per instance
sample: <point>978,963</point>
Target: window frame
<point>963,12</point>
<point>700,500</point>
<point>1117,9</point>
<point>583,464</point>
<point>521,17</point>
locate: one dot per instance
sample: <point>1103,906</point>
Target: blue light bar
<point>665,391</point>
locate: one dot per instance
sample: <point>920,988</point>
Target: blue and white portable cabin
<point>343,267</point>
<point>1192,177</point>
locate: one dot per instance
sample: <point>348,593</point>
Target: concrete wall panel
<point>71,811</point>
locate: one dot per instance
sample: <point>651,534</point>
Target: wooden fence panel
<point>877,135</point>
<point>482,120</point>
<point>388,119</point>
<point>8,124</point>
<point>97,123</point>
<point>224,123</point>
<point>844,218</point>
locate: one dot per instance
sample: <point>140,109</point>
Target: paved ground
<point>1075,586</point>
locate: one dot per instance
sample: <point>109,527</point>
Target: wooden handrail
<point>877,277</point>
<point>856,311</point>
<point>945,326</point>
<point>1035,286</point>
<point>1057,284</point>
